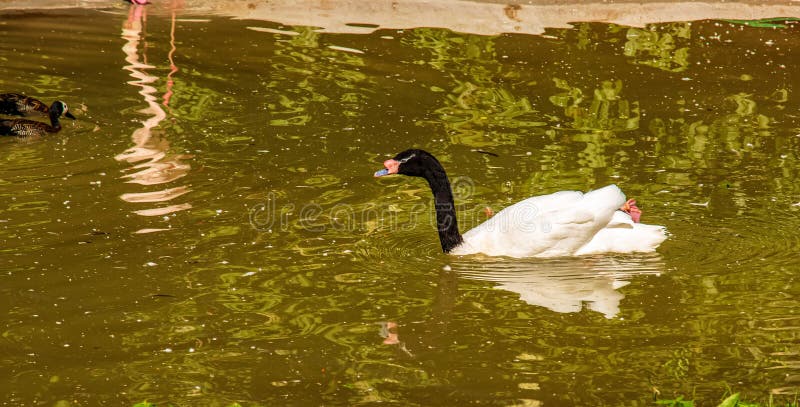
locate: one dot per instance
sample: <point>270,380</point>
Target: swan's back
<point>558,224</point>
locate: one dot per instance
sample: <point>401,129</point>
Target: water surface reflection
<point>252,299</point>
<point>564,285</point>
<point>151,143</point>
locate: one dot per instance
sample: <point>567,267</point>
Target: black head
<point>420,163</point>
<point>412,162</point>
<point>59,108</point>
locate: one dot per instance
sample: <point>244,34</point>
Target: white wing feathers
<point>564,223</point>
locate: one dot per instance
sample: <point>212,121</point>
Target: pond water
<point>208,231</point>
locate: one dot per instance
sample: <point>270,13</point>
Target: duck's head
<point>412,162</point>
<point>60,108</point>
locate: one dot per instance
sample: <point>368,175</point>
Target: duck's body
<point>17,104</point>
<point>32,128</point>
<point>565,223</point>
<point>27,128</point>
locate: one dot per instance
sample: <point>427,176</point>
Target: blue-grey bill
<point>382,172</point>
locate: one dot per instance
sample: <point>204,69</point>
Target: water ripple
<point>710,239</point>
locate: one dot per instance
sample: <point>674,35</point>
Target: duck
<point>561,224</point>
<point>17,104</point>
<point>32,128</point>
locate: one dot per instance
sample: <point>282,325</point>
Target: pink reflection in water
<point>151,148</point>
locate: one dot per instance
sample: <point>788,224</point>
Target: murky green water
<point>209,230</point>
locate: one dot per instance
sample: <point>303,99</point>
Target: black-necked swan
<point>564,223</point>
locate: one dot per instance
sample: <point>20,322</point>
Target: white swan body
<point>565,223</point>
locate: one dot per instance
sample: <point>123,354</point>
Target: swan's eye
<point>404,160</point>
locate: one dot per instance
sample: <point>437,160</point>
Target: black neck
<point>446,223</point>
<point>55,125</point>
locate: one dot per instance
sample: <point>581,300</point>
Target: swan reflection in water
<point>151,147</point>
<point>566,284</point>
